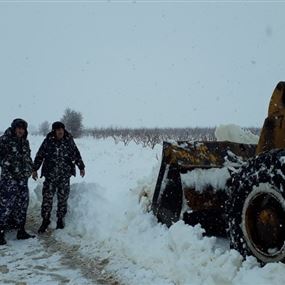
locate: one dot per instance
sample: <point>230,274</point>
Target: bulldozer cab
<point>273,132</point>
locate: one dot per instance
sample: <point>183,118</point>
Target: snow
<point>201,178</point>
<point>234,133</point>
<point>109,222</point>
<point>30,262</point>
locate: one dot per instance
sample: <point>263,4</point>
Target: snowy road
<point>30,262</point>
<point>44,260</point>
<point>110,237</point>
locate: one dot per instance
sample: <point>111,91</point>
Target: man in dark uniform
<point>16,168</point>
<point>58,156</point>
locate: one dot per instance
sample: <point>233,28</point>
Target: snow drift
<point>107,217</point>
<point>234,133</point>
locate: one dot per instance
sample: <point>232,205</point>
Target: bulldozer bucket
<point>183,157</point>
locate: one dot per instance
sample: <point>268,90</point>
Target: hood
<point>10,132</point>
<point>51,135</point>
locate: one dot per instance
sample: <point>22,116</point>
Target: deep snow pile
<point>234,133</point>
<point>106,219</point>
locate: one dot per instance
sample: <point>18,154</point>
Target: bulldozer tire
<point>255,211</point>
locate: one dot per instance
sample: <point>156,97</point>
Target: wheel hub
<point>263,224</point>
<point>268,228</point>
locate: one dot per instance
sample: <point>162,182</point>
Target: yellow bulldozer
<point>233,190</point>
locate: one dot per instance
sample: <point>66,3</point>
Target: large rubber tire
<point>255,210</point>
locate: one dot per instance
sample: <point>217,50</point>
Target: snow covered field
<point>107,222</point>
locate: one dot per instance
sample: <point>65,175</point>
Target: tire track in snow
<point>92,269</point>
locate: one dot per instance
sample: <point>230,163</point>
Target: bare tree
<point>150,137</point>
<point>73,122</point>
<point>44,128</point>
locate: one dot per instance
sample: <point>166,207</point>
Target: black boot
<point>2,238</point>
<point>22,234</point>
<point>44,226</point>
<point>60,223</point>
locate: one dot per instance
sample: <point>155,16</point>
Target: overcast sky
<point>135,64</point>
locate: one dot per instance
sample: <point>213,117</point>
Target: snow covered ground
<point>31,262</point>
<point>107,223</point>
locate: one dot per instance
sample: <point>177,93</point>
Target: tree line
<point>73,121</point>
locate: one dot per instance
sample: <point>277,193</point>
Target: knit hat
<point>57,125</point>
<point>19,123</point>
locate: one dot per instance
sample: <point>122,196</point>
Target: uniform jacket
<point>58,157</point>
<point>15,156</point>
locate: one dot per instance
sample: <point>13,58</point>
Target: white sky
<point>153,64</point>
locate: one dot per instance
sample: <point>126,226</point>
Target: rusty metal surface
<point>206,200</point>
<point>180,157</point>
<point>191,155</point>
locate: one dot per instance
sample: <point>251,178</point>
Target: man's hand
<point>35,175</point>
<point>82,172</point>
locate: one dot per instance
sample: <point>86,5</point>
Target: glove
<point>82,172</point>
<point>35,175</point>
